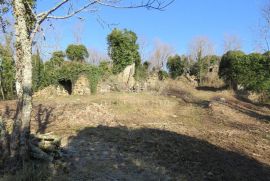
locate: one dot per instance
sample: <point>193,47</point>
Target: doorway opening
<point>67,84</point>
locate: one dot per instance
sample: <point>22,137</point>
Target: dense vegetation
<point>250,72</point>
<point>7,73</point>
<point>123,49</point>
<point>175,66</point>
<point>77,53</point>
<point>238,70</point>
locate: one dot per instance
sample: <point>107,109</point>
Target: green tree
<point>175,66</point>
<point>58,58</point>
<point>50,67</point>
<point>7,73</point>
<point>38,72</point>
<point>105,68</point>
<point>255,73</point>
<point>231,67</point>
<point>77,53</point>
<point>194,69</point>
<point>162,75</point>
<point>123,49</point>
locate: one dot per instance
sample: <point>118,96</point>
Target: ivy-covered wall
<point>72,71</point>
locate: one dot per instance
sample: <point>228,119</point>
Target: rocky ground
<point>178,134</point>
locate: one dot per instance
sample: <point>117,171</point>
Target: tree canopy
<point>230,67</point>
<point>123,49</point>
<point>175,66</point>
<point>77,53</point>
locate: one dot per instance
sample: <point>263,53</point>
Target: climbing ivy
<point>72,71</point>
<point>123,49</point>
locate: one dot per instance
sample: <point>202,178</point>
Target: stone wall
<point>211,78</point>
<point>127,76</point>
<point>51,91</point>
<point>81,86</point>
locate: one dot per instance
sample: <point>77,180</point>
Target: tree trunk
<point>18,63</point>
<point>1,88</point>
<point>24,78</point>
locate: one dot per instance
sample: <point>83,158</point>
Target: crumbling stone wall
<point>81,86</point>
<point>211,77</point>
<point>51,91</point>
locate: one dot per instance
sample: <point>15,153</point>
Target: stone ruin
<point>211,78</point>
<point>80,87</point>
<point>124,81</point>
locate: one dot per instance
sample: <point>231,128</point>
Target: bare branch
<point>32,11</point>
<point>149,4</point>
<point>73,13</point>
<point>45,14</point>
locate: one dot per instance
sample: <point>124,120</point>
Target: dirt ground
<point>178,134</point>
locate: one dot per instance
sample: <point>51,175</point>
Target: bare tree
<point>95,56</point>
<point>160,54</point>
<point>199,48</point>
<point>78,31</point>
<point>144,47</point>
<point>231,42</point>
<point>27,23</point>
<point>264,28</point>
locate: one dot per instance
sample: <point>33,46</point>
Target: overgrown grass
<point>31,171</point>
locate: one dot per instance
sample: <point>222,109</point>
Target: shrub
<point>146,65</point>
<point>256,75</point>
<point>141,73</point>
<point>105,69</point>
<point>162,75</point>
<point>250,71</point>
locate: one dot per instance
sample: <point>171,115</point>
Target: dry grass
<point>173,136</point>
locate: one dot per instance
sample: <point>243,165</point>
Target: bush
<point>146,65</point>
<point>249,71</point>
<point>141,73</point>
<point>162,75</point>
<point>105,69</point>
<point>256,75</point>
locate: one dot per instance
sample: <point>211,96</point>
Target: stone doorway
<point>67,85</point>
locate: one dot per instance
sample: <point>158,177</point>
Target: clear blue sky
<point>177,25</point>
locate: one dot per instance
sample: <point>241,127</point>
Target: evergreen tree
<point>7,74</point>
<point>38,72</point>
